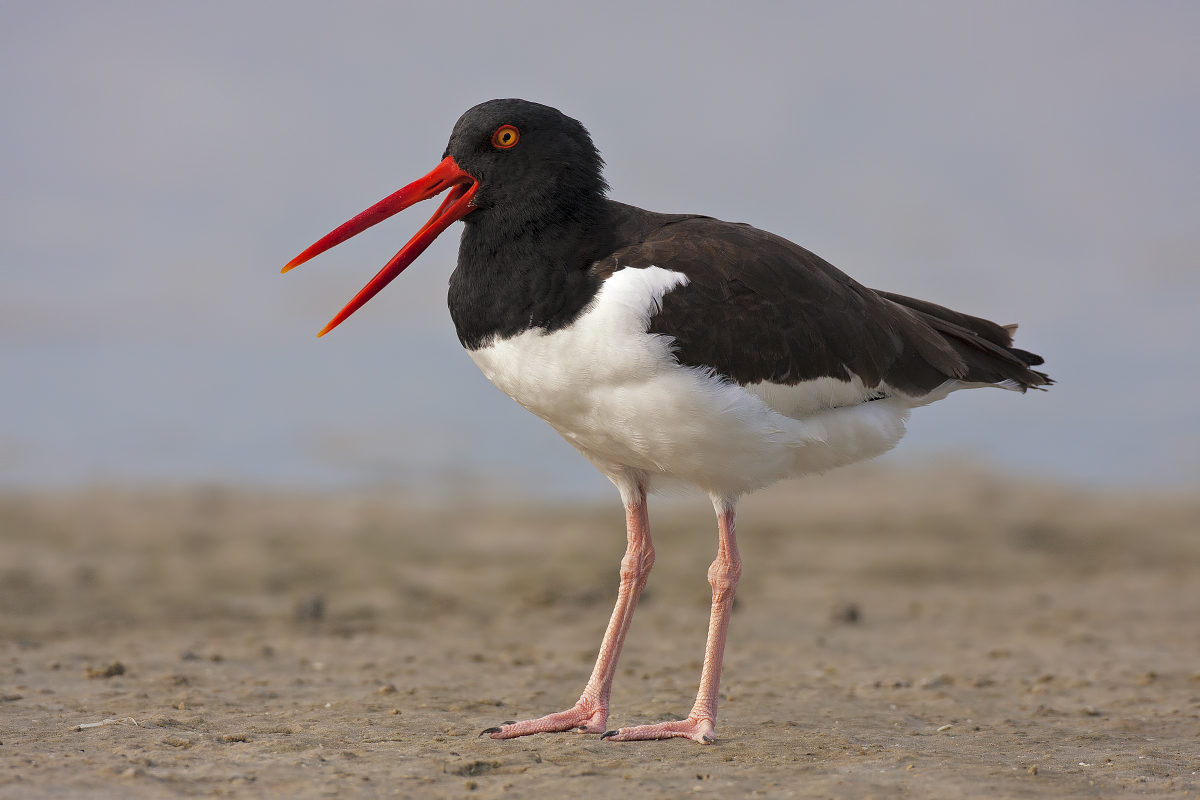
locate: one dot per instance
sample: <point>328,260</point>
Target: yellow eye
<point>505,137</point>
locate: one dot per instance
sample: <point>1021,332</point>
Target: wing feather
<point>757,307</point>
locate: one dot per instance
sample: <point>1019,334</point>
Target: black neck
<point>514,275</point>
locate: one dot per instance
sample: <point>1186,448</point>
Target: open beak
<point>446,175</point>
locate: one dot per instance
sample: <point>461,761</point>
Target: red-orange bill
<point>446,175</point>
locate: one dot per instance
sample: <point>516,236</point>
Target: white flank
<point>616,393</point>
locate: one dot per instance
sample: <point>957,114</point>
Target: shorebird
<point>668,348</point>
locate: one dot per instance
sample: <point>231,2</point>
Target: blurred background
<point>196,490</point>
<point>1024,162</point>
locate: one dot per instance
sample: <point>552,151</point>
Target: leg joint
<point>723,577</point>
<point>637,562</point>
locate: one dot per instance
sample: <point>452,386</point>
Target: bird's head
<point>511,164</point>
<point>528,159</point>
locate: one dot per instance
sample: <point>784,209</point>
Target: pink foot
<point>582,719</point>
<point>697,729</point>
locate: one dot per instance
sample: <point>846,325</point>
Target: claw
<point>497,728</point>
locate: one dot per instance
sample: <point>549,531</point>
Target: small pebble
<point>848,614</point>
<point>112,670</point>
<point>310,609</point>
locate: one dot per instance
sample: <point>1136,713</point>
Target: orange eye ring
<point>505,137</point>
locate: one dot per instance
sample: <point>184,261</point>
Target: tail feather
<point>1032,359</point>
<point>996,334</point>
<point>985,347</point>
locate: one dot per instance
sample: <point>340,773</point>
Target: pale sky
<point>1027,162</point>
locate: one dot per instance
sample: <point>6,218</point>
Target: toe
<point>581,718</point>
<point>698,730</point>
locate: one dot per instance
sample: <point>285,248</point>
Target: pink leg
<point>723,575</point>
<point>590,714</point>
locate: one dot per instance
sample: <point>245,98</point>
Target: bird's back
<point>757,308</point>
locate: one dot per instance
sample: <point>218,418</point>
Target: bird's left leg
<point>590,714</point>
<point>723,575</point>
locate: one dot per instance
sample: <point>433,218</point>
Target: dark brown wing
<point>760,308</point>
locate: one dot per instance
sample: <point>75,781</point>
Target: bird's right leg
<point>701,724</point>
<point>590,714</point>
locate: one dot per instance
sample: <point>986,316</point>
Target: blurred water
<point>409,408</point>
<point>292,414</point>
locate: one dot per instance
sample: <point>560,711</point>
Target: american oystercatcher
<point>670,347</point>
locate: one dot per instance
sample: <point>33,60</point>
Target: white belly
<point>616,393</point>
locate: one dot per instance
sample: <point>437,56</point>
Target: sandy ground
<point>1013,639</point>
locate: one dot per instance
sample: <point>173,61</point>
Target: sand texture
<point>936,633</point>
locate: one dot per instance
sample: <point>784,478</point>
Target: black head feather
<point>553,169</point>
<point>542,220</point>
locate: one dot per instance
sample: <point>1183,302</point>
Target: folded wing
<point>757,308</point>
